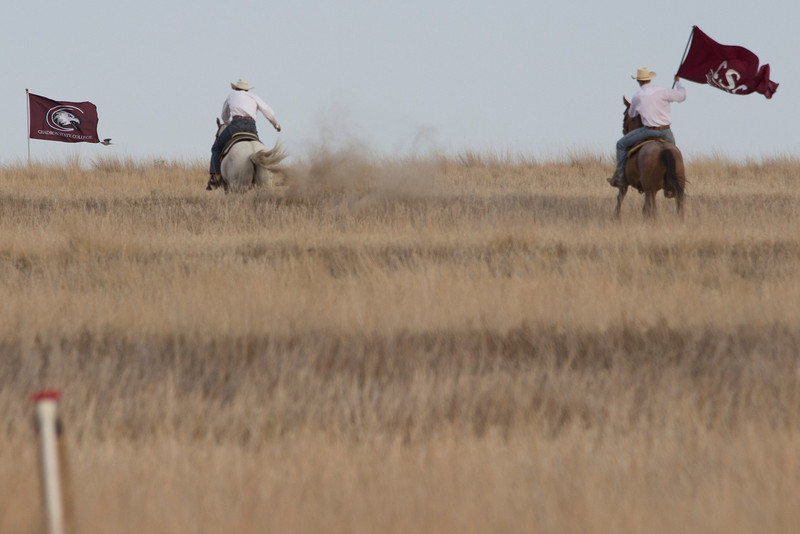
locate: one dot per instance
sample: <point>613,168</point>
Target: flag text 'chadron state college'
<point>69,122</point>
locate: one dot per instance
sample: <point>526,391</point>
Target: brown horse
<point>656,165</point>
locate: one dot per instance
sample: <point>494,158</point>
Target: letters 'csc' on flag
<point>70,122</point>
<point>733,69</point>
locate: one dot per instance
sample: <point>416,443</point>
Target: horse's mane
<point>630,123</point>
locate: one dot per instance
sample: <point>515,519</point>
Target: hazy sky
<point>536,78</point>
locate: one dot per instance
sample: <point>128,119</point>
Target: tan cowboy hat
<point>241,84</point>
<point>644,75</point>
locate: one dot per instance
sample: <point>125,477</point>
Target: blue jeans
<point>632,138</point>
<point>236,126</point>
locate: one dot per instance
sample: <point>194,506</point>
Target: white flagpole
<point>47,418</point>
<point>28,104</point>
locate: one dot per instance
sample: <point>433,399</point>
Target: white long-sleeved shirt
<point>247,105</point>
<point>652,102</point>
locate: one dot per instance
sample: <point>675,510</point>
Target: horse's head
<point>220,126</point>
<point>629,123</point>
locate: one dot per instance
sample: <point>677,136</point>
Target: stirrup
<point>214,181</point>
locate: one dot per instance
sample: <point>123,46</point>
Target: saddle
<point>237,137</point>
<point>635,148</point>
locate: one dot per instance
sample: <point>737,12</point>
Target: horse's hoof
<point>669,193</point>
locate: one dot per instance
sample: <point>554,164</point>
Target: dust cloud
<point>361,176</point>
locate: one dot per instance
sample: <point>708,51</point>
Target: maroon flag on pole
<point>70,122</point>
<point>733,69</point>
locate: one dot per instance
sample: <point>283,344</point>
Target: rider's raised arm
<point>264,108</point>
<point>678,93</point>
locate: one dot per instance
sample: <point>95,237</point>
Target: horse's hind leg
<point>620,196</point>
<point>649,209</point>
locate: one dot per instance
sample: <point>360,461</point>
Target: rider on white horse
<point>242,107</point>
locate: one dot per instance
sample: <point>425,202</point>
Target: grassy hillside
<point>465,344</point>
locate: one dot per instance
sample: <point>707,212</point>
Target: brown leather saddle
<point>236,138</point>
<point>635,148</point>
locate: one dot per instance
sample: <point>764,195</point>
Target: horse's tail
<point>669,161</point>
<point>269,159</point>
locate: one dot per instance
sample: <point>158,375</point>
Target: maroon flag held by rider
<point>70,122</point>
<point>733,69</point>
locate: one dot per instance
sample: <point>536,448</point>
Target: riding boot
<point>617,180</point>
<point>214,181</point>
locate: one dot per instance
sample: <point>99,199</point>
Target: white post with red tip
<point>47,419</point>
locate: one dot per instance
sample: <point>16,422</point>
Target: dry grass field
<point>438,345</point>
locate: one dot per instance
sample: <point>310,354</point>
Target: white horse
<point>250,163</point>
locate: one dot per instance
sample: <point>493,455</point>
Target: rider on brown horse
<point>652,104</point>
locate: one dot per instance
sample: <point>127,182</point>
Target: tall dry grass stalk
<point>463,344</point>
